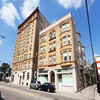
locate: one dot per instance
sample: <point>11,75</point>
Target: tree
<point>92,71</point>
<point>4,69</point>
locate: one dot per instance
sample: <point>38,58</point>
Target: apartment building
<point>61,56</point>
<point>26,50</point>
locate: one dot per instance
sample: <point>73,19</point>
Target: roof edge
<point>37,9</point>
<point>57,22</point>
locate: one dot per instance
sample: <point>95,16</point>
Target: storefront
<point>63,79</point>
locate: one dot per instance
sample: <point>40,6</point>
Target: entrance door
<point>20,80</point>
<point>52,77</point>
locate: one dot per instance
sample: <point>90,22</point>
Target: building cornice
<point>56,23</point>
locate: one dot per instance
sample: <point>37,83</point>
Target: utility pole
<point>96,70</point>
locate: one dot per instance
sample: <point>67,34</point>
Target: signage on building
<point>98,63</point>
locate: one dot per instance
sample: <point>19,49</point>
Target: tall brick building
<point>25,55</point>
<point>61,57</point>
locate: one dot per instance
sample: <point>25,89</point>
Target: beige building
<point>25,55</point>
<point>61,56</point>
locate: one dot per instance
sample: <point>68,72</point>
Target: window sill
<point>52,38</point>
<point>66,45</point>
<point>65,31</point>
<point>52,50</point>
<point>43,42</point>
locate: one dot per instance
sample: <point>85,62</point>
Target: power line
<point>96,71</point>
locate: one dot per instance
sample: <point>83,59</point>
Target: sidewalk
<point>90,93</point>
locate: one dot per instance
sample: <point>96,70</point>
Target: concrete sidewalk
<point>90,93</point>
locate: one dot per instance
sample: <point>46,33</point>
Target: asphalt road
<point>11,92</point>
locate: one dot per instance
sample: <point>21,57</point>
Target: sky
<point>14,12</point>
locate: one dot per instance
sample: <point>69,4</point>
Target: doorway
<point>52,74</point>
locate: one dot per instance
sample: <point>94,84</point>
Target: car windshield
<point>34,82</point>
<point>46,83</point>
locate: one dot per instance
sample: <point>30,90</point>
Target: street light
<point>2,36</point>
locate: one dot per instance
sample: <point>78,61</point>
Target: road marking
<point>18,91</point>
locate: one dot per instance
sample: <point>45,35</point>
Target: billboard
<point>98,63</point>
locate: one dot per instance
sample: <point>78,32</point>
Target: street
<point>19,93</point>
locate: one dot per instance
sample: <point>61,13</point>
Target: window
<point>20,45</point>
<point>41,39</point>
<point>44,61</point>
<point>64,40</point>
<point>61,43</point>
<point>68,39</point>
<point>61,57</point>
<point>79,49</point>
<point>23,75</point>
<point>63,28</point>
<point>25,56</point>
<point>69,55</point>
<point>50,47</point>
<point>17,60</point>
<point>44,38</point>
<point>29,65</point>
<point>50,35</point>
<point>40,61</point>
<point>41,49</point>
<point>29,55</point>
<point>18,53</point>
<point>50,60</point>
<point>54,45</point>
<point>31,39</point>
<point>44,48</point>
<point>16,67</point>
<point>29,26</point>
<point>54,59</point>
<point>68,26</point>
<point>41,27</point>
<point>32,31</point>
<point>28,40</point>
<point>27,76</point>
<point>65,56</point>
<point>21,39</point>
<point>28,33</point>
<point>30,47</point>
<point>54,34</point>
<point>26,48</point>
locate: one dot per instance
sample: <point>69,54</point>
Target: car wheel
<point>48,90</point>
<point>39,89</point>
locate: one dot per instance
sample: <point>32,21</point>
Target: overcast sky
<point>14,12</point>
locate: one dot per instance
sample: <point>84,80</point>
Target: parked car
<point>35,85</point>
<point>47,87</point>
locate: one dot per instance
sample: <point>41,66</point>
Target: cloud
<point>28,7</point>
<point>8,13</point>
<point>72,3</point>
<point>95,55</point>
<point>0,42</point>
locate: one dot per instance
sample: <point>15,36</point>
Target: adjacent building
<point>26,50</point>
<point>61,56</point>
<point>97,58</point>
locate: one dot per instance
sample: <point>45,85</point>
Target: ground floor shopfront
<point>64,79</point>
<point>21,77</point>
